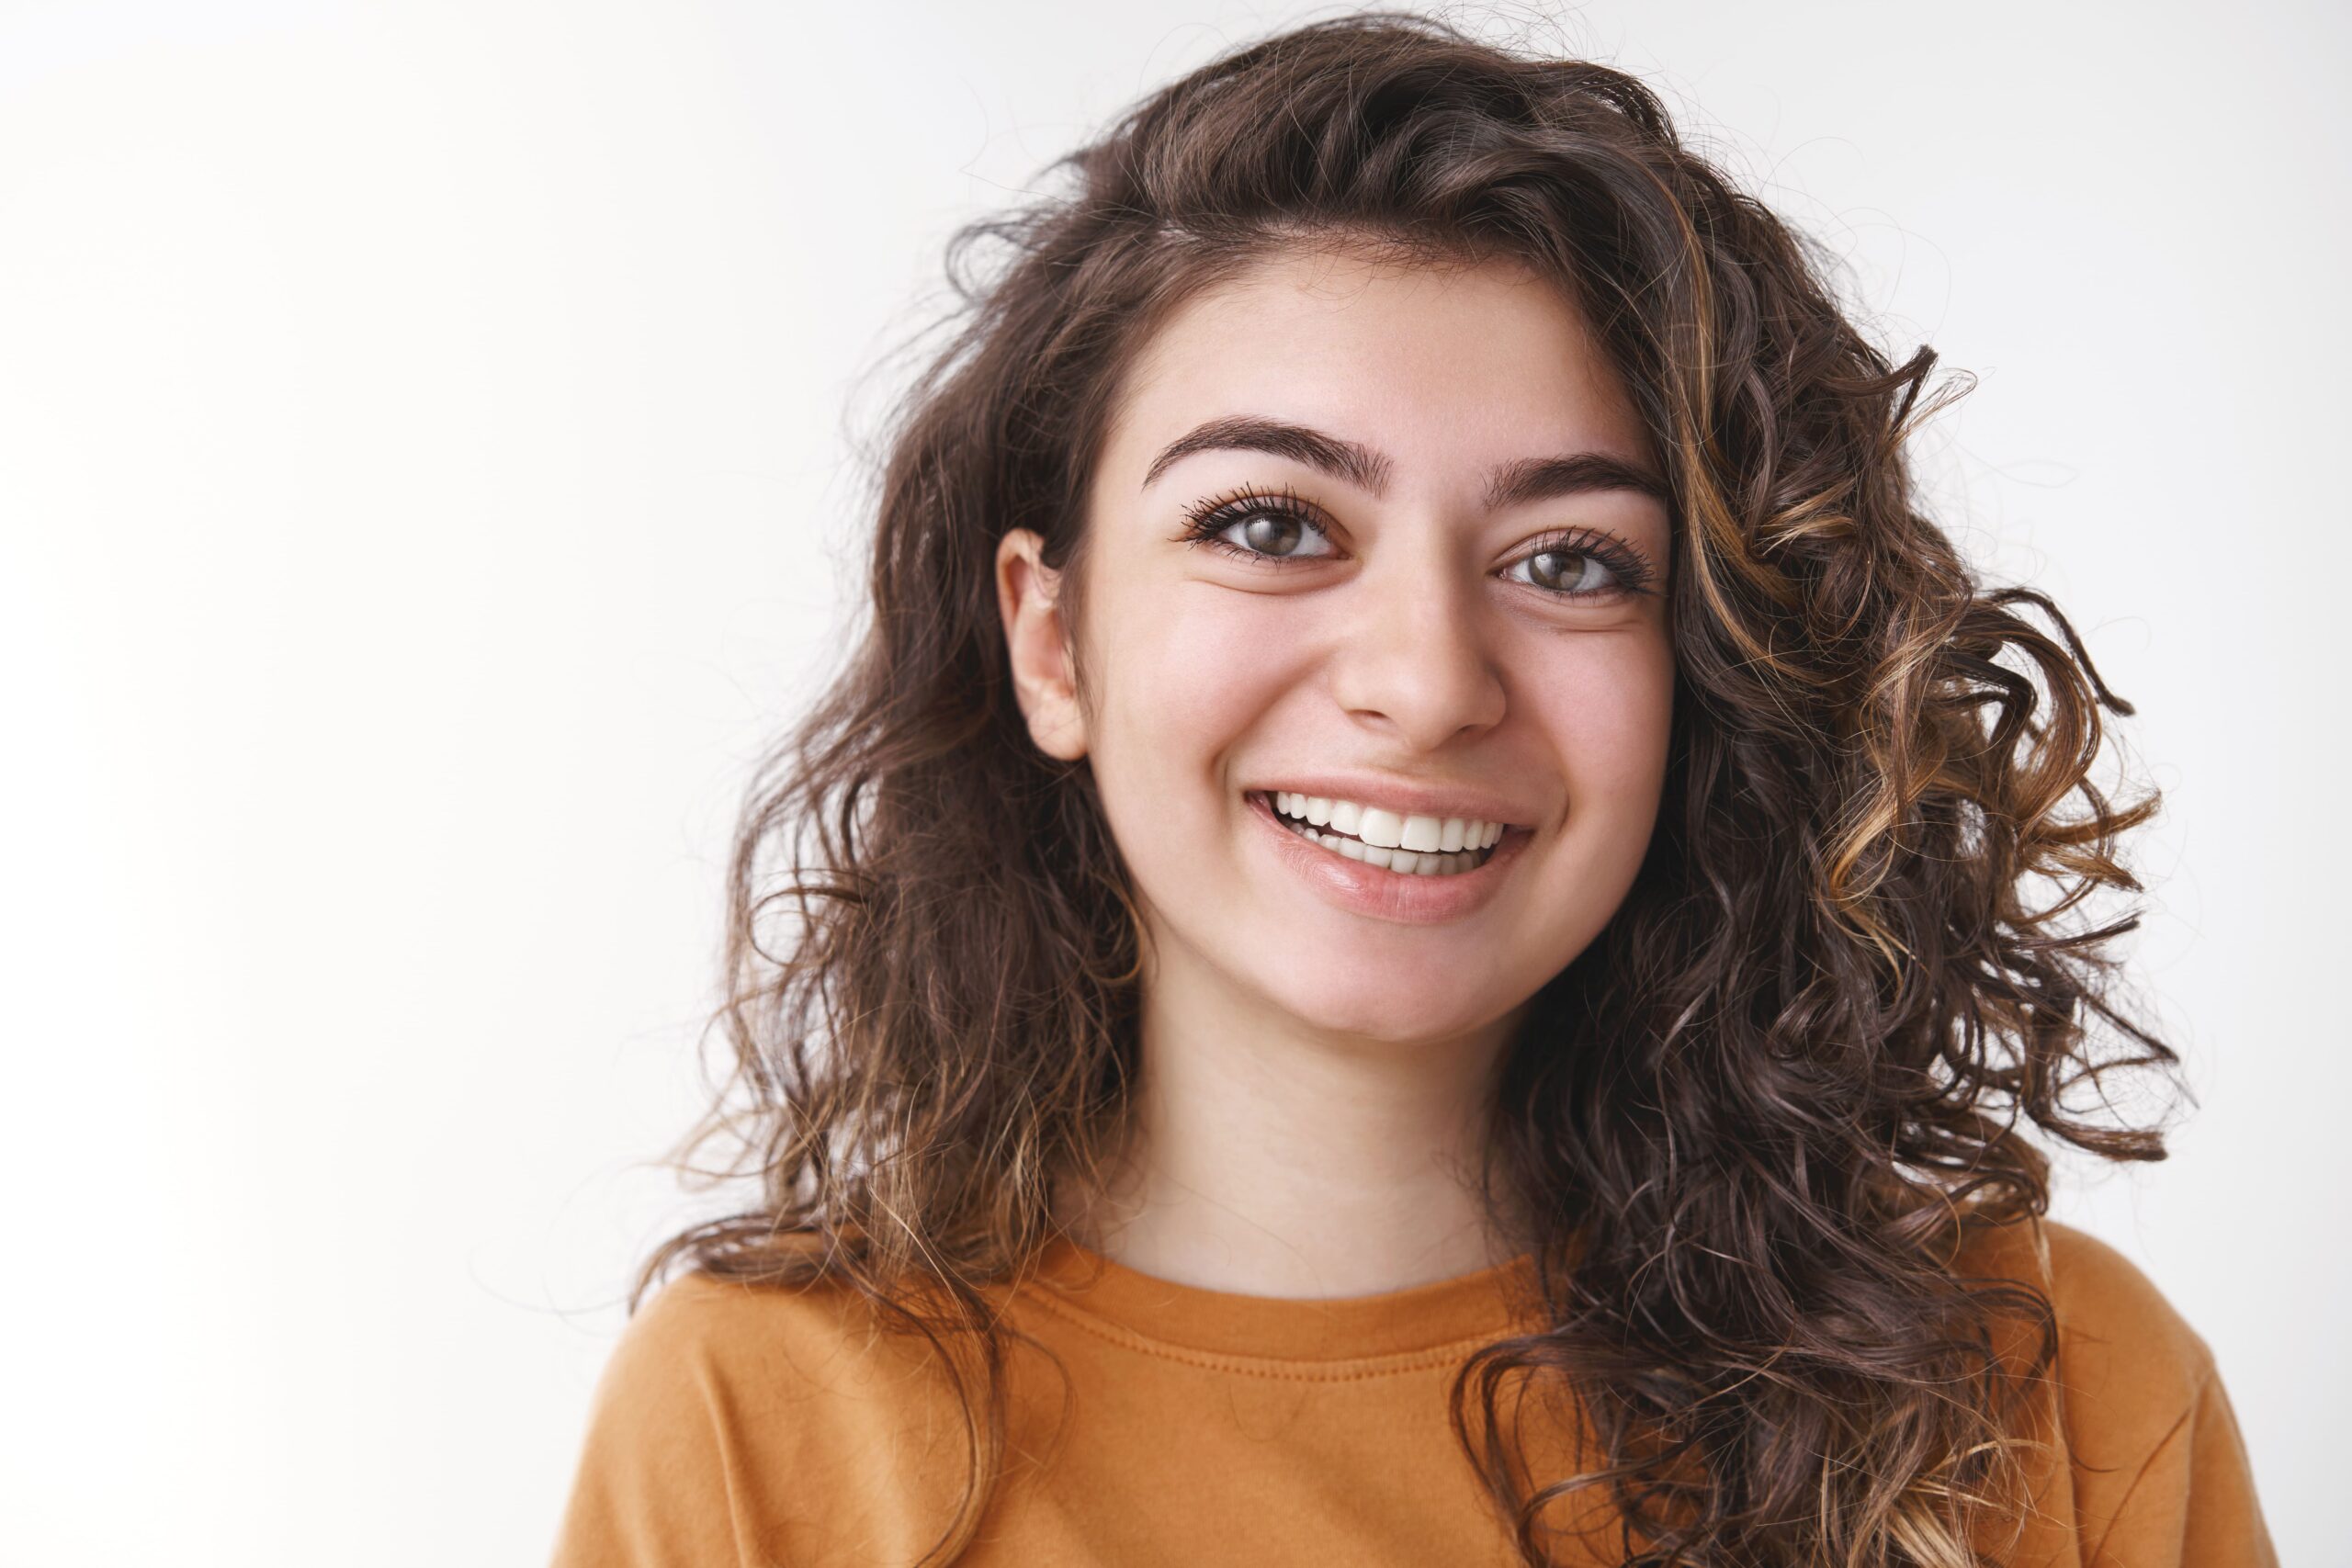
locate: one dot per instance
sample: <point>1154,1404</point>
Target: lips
<point>1359,887</point>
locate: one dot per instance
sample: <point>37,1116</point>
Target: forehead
<point>1459,364</point>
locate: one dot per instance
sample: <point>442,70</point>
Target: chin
<point>1395,1010</point>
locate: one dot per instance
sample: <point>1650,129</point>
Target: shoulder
<point>2103,1295</point>
<point>2143,1418</point>
<point>2161,1473</point>
<point>763,1364</point>
<point>702,1329</point>
<point>688,1329</point>
<point>2129,1361</point>
<point>734,1417</point>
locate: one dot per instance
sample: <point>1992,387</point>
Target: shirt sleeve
<point>2192,1504</point>
<point>651,1490</point>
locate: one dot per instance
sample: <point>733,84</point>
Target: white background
<point>425,486</point>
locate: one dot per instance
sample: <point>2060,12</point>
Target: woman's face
<point>1379,553</point>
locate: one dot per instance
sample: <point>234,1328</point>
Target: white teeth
<point>1415,846</point>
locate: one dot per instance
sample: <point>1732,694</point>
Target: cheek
<point>1604,709</point>
<point>1186,673</point>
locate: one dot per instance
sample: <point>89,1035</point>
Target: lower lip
<point>1406,897</point>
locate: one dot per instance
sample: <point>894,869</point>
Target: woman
<point>1410,938</point>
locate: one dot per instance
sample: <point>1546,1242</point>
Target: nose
<point>1414,665</point>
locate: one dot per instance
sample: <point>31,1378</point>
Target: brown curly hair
<point>1758,1117</point>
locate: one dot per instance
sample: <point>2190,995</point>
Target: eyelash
<point>1206,520</point>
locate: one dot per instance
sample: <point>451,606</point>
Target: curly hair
<point>1759,1116</point>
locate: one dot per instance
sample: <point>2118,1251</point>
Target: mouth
<point>1387,841</point>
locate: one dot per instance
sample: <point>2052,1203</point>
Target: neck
<point>1268,1159</point>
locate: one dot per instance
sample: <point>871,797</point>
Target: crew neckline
<point>1156,1314</point>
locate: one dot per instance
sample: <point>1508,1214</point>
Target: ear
<point>1039,645</point>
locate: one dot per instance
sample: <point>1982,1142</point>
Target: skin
<point>1316,1079</point>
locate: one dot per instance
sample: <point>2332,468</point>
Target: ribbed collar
<point>1155,1314</point>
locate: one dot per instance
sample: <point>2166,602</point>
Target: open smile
<point>1365,878</point>
<point>1410,846</point>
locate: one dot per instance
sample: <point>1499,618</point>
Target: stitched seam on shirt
<point>1261,1367</point>
<point>2123,1503</point>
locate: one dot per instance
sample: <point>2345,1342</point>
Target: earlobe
<point>1037,646</point>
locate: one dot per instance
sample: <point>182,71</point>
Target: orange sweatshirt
<point>754,1427</point>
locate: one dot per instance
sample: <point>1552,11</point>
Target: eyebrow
<point>1513,484</point>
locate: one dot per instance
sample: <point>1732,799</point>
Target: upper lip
<point>1403,797</point>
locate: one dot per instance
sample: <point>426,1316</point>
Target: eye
<point>1569,572</point>
<point>1272,534</point>
<point>1273,528</point>
<point>1585,567</point>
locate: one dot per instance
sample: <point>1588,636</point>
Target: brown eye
<point>1272,533</point>
<point>1262,530</point>
<point>1255,527</point>
<point>1569,571</point>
